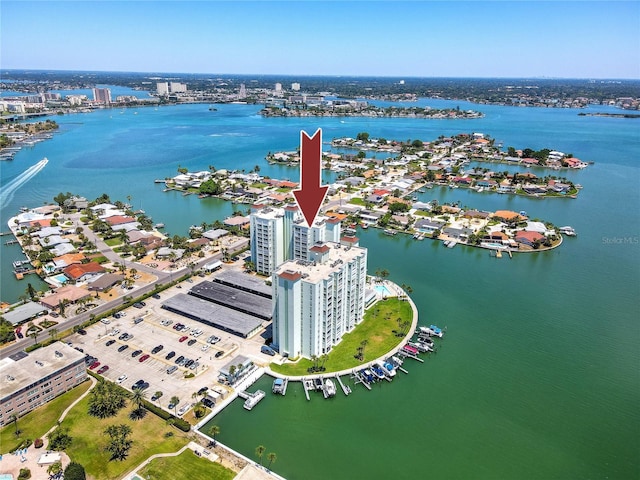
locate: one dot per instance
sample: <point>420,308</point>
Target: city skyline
<point>389,39</point>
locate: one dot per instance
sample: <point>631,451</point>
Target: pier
<point>11,242</point>
<point>358,378</point>
<point>345,388</point>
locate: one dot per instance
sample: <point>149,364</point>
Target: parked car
<point>113,333</point>
<point>219,354</point>
<point>94,365</point>
<point>122,378</point>
<point>156,396</point>
<point>178,360</point>
<point>106,321</point>
<point>137,384</point>
<point>136,353</point>
<point>268,350</point>
<point>110,342</point>
<point>82,332</point>
<point>123,348</point>
<point>143,357</point>
<point>170,370</point>
<point>183,338</point>
<point>205,348</point>
<point>138,320</point>
<point>54,314</point>
<point>189,363</point>
<point>123,336</point>
<point>170,355</point>
<point>156,296</point>
<point>157,349</point>
<point>138,305</point>
<point>191,342</point>
<point>103,369</point>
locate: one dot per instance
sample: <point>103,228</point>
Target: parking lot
<point>157,328</point>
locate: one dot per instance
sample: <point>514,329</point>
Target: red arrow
<point>310,195</point>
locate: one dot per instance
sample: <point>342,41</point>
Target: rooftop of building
<point>243,281</point>
<point>18,374</point>
<point>314,272</point>
<point>234,298</point>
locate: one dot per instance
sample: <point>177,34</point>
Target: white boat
<point>387,368</point>
<point>329,388</point>
<point>451,244</point>
<point>421,347</point>
<point>569,231</point>
<point>397,361</point>
<point>390,232</point>
<point>253,399</point>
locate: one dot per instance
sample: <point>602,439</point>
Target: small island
<point>357,108</point>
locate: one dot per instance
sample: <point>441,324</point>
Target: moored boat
<point>329,388</point>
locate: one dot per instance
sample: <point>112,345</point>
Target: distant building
<point>162,88</point>
<point>243,91</point>
<point>295,87</point>
<point>177,87</point>
<point>278,87</point>
<point>317,301</point>
<point>102,95</point>
<point>36,378</point>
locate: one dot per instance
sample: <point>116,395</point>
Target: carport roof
<point>234,298</point>
<point>213,314</point>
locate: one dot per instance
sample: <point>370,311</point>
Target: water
<point>537,377</point>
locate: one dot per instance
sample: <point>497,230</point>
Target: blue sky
<point>577,39</point>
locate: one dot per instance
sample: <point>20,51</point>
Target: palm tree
<point>54,469</point>
<point>137,397</point>
<point>175,400</point>
<point>13,418</point>
<point>34,334</point>
<point>53,333</point>
<point>272,458</point>
<point>213,431</point>
<point>364,343</point>
<point>260,449</point>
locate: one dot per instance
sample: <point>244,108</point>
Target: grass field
<point>186,466</point>
<point>112,242</point>
<point>38,422</point>
<point>378,329</point>
<point>89,441</point>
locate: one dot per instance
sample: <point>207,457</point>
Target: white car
<point>115,332</point>
<point>205,348</point>
<point>122,378</point>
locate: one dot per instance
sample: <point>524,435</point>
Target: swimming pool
<point>6,476</point>
<point>60,278</point>
<point>382,290</point>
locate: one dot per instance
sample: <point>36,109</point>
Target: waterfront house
<point>105,282</point>
<point>429,226</point>
<point>62,249</point>
<point>215,234</point>
<point>508,216</point>
<point>80,272</point>
<point>528,238</point>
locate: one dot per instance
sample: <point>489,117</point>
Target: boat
<point>438,332</point>
<point>523,213</point>
<point>569,231</point>
<point>253,399</point>
<point>451,244</point>
<point>422,346</point>
<point>278,386</point>
<point>159,225</point>
<point>389,231</point>
<point>365,226</point>
<point>329,388</point>
<point>387,368</point>
<point>367,376</point>
<point>396,361</point>
<point>317,383</point>
<point>377,371</point>
<point>410,349</point>
<point>480,189</point>
<point>431,331</point>
<point>578,186</point>
<point>424,338</point>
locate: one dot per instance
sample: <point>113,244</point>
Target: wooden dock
<point>345,388</point>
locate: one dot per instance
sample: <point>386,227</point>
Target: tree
<point>364,344</point>
<point>54,469</point>
<point>272,458</point>
<point>74,471</point>
<point>137,398</point>
<point>53,333</point>
<point>34,334</point>
<point>363,136</point>
<point>260,449</point>
<point>213,431</point>
<point>14,418</point>
<point>119,441</point>
<point>175,400</point>
<point>31,291</point>
<point>106,399</point>
<point>59,439</point>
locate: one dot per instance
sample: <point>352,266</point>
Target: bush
<point>25,474</point>
<point>178,422</point>
<point>38,443</point>
<point>74,471</point>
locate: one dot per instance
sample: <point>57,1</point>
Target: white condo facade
<point>317,301</point>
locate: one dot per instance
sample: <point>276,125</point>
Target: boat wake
<point>6,194</point>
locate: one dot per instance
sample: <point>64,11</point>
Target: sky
<point>575,39</point>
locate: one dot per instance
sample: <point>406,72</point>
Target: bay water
<point>538,376</point>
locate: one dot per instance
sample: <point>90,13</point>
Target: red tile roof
<point>76,270</point>
<point>290,275</point>
<point>119,220</point>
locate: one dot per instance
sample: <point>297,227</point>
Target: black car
<point>203,390</point>
<point>219,354</point>
<point>138,305</point>
<point>110,342</point>
<point>123,336</point>
<point>156,296</point>
<point>82,332</point>
<point>189,363</point>
<point>138,384</point>
<point>157,349</point>
<point>144,386</point>
<point>136,353</point>
<point>123,348</point>
<point>179,359</point>
<point>191,342</point>
<point>170,355</point>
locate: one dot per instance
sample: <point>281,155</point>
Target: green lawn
<point>38,422</point>
<point>357,201</point>
<point>89,441</point>
<point>378,328</point>
<point>186,466</point>
<point>112,242</point>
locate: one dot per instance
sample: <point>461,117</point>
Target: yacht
<point>329,388</point>
<point>569,231</point>
<point>387,368</point>
<point>253,399</point>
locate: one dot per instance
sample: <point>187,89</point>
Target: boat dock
<point>11,242</point>
<point>345,388</point>
<point>307,385</point>
<point>251,399</point>
<point>358,378</point>
<point>405,354</point>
